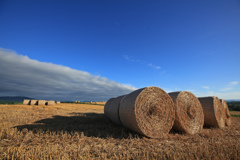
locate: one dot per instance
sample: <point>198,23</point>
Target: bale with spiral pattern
<point>189,117</point>
<point>148,111</point>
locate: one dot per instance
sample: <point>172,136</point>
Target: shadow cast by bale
<point>90,124</point>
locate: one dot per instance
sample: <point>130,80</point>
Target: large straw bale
<point>189,117</point>
<point>213,112</point>
<point>33,102</point>
<point>26,101</point>
<point>227,114</point>
<point>58,102</point>
<point>50,103</point>
<point>41,102</point>
<point>111,109</point>
<point>148,111</point>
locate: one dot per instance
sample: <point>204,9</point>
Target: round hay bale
<point>111,109</point>
<point>50,103</point>
<point>58,102</point>
<point>228,120</point>
<point>189,117</point>
<point>213,112</point>
<point>148,111</point>
<point>26,102</point>
<point>33,102</point>
<point>41,102</point>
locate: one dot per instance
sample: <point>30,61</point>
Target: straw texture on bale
<point>50,103</point>
<point>213,112</point>
<point>33,102</point>
<point>226,112</point>
<point>26,101</point>
<point>189,117</point>
<point>41,102</point>
<point>148,111</point>
<point>111,109</point>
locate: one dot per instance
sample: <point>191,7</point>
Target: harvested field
<point>80,131</point>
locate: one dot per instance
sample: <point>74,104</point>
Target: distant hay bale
<point>189,117</point>
<point>50,103</point>
<point>33,102</point>
<point>227,114</point>
<point>58,102</point>
<point>111,109</point>
<point>148,111</point>
<point>41,102</point>
<point>213,112</point>
<point>26,101</point>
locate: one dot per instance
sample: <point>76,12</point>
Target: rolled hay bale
<point>33,102</point>
<point>189,117</point>
<point>41,102</point>
<point>227,114</point>
<point>58,102</point>
<point>26,101</point>
<point>111,109</point>
<point>213,112</point>
<point>148,111</point>
<point>50,103</point>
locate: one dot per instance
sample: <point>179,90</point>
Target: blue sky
<point>175,45</point>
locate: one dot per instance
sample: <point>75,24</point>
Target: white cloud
<point>22,76</point>
<point>234,83</point>
<point>206,87</point>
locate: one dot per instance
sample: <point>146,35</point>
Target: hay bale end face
<point>213,112</point>
<point>41,102</point>
<point>227,114</point>
<point>50,103</point>
<point>26,101</point>
<point>111,109</point>
<point>189,117</point>
<point>148,111</point>
<point>33,102</point>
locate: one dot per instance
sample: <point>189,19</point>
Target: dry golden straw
<point>111,109</point>
<point>189,117</point>
<point>148,111</point>
<point>226,112</point>
<point>213,112</point>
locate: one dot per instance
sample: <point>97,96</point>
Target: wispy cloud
<point>230,86</point>
<point>229,95</point>
<point>234,83</point>
<point>226,89</point>
<point>129,58</point>
<point>21,75</point>
<point>153,66</point>
<point>206,87</point>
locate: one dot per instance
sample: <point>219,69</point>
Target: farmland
<point>81,131</point>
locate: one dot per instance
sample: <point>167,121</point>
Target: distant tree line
<point>234,106</point>
<point>10,102</point>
